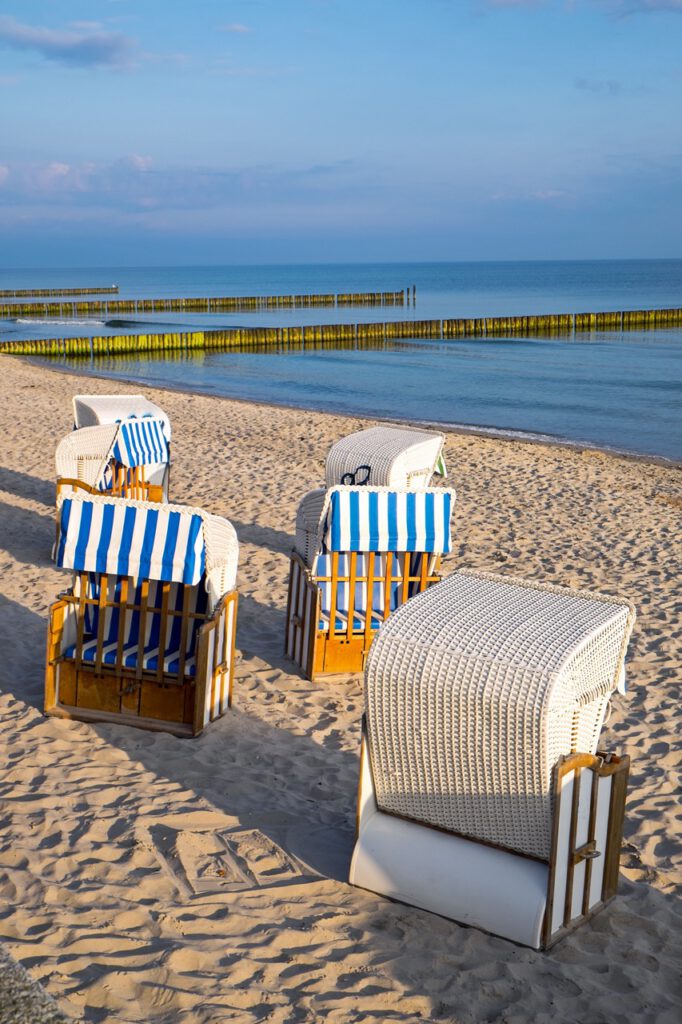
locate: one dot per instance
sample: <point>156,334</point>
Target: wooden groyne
<point>561,325</point>
<point>223,304</point>
<point>27,293</point>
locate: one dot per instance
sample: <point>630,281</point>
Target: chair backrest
<point>377,547</point>
<point>381,519</point>
<point>141,442</point>
<point>95,410</point>
<point>398,457</point>
<point>148,541</point>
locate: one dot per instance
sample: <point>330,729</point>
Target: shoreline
<point>118,927</point>
<point>464,429</point>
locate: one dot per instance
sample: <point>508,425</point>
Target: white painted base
<point>457,878</point>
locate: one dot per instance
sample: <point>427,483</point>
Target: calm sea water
<point>608,389</point>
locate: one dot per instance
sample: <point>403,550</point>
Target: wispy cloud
<point>608,87</point>
<point>84,46</point>
<point>236,27</point>
<point>645,6</point>
<point>513,3</point>
<point>543,195</point>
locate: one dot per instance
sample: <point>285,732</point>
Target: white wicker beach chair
<point>398,457</point>
<point>146,633</point>
<point>95,410</point>
<point>482,795</point>
<point>373,548</point>
<point>130,459</point>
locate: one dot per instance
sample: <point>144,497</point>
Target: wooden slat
<point>352,579</point>
<point>406,577</point>
<point>183,633</point>
<point>615,831</point>
<point>144,597</point>
<point>122,617</point>
<point>81,619</point>
<point>370,598</point>
<point>234,598</point>
<point>102,611</point>
<point>163,629</point>
<point>571,846</point>
<point>591,834</point>
<point>333,588</point>
<point>388,580</point>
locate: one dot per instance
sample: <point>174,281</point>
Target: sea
<point>614,390</point>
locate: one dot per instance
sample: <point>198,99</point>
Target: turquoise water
<point>608,389</point>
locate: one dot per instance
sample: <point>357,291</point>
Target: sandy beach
<point>105,828</point>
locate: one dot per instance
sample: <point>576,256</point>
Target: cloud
<point>236,28</point>
<point>643,6</point>
<point>547,195</point>
<point>607,87</point>
<point>624,8</point>
<point>513,3</point>
<point>4,173</point>
<point>76,47</point>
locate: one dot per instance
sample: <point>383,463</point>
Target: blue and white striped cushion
<point>119,538</point>
<point>368,519</point>
<point>152,640</point>
<point>140,442</point>
<point>360,602</point>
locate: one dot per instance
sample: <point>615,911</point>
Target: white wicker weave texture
<point>473,691</point>
<point>83,454</point>
<point>396,456</point>
<point>308,517</point>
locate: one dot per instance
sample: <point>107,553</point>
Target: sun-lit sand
<point>110,835</point>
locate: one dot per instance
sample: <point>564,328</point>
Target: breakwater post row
<point>26,293</point>
<point>223,304</point>
<point>565,324</point>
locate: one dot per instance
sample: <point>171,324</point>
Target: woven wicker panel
<point>473,691</point>
<point>83,454</point>
<point>308,516</point>
<point>395,457</point>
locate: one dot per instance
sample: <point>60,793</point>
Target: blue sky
<point>161,132</point>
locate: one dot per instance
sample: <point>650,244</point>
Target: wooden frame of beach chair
<point>151,641</point>
<point>480,697</point>
<point>130,459</point>
<point>376,551</point>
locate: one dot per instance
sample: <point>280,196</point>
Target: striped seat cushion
<point>140,442</point>
<point>360,603</point>
<point>152,640</point>
<point>150,658</point>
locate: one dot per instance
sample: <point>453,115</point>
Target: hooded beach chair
<point>95,410</point>
<point>483,796</point>
<point>130,459</point>
<point>146,633</point>
<point>374,548</point>
<point>397,457</point>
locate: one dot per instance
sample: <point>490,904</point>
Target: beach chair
<point>95,410</point>
<point>130,459</point>
<point>374,548</point>
<point>145,635</point>
<point>398,457</point>
<point>483,795</point>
